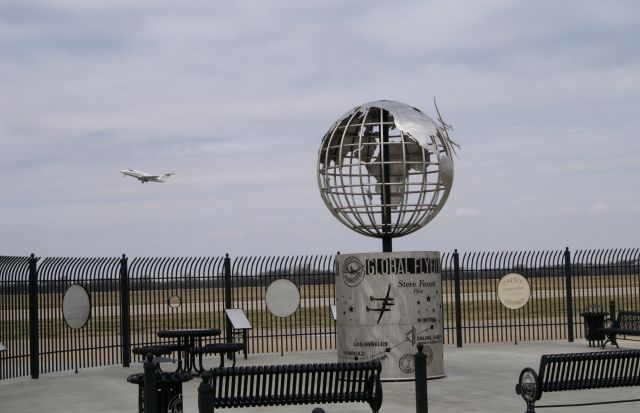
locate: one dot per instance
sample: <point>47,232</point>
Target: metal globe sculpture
<point>385,169</point>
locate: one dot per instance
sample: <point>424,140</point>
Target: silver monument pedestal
<point>386,304</point>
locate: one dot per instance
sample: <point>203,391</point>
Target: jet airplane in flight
<point>144,176</point>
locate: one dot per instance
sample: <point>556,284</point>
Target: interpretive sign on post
<point>386,304</point>
<point>238,318</point>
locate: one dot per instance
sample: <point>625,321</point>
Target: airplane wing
<point>163,177</point>
<point>156,178</point>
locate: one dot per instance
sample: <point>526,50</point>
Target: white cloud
<point>466,212</point>
<point>226,235</point>
<point>570,211</point>
<point>599,208</point>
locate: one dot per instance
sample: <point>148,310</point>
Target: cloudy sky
<point>235,97</point>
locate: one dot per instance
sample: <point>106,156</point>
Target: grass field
<point>200,307</point>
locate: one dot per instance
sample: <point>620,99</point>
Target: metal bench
<point>291,385</point>
<point>579,371</point>
<point>626,323</point>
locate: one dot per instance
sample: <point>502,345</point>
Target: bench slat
<point>589,370</point>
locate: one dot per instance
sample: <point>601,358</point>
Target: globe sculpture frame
<point>385,169</point>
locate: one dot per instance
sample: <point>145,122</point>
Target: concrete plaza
<point>479,378</point>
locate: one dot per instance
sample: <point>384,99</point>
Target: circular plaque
<point>174,301</point>
<point>352,271</point>
<point>514,291</point>
<point>76,306</point>
<point>282,298</point>
<point>407,364</point>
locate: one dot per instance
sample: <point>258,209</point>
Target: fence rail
<point>131,299</point>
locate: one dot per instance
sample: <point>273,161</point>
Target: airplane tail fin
<point>164,177</point>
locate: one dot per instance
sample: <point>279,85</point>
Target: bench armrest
<point>528,386</point>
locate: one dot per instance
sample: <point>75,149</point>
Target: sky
<point>235,97</point>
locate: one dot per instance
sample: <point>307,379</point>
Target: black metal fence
<point>562,287</point>
<point>14,316</point>
<point>132,299</point>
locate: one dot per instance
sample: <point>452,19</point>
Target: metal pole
<point>422,404</point>
<point>125,325</point>
<point>387,244</point>
<point>385,169</point>
<point>228,298</point>
<point>34,339</point>
<point>567,276</point>
<point>150,385</point>
<point>205,394</point>
<point>458,304</point>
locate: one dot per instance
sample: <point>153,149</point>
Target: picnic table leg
<point>188,354</point>
<point>191,354</point>
<point>200,368</point>
<point>180,350</point>
<point>611,338</point>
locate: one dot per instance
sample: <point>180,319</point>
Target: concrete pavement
<point>479,378</point>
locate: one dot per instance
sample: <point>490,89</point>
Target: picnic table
<point>189,339</point>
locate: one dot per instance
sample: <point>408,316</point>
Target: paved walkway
<point>479,378</point>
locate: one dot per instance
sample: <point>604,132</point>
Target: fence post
<point>420,359</point>
<point>125,330</point>
<point>567,276</point>
<point>458,304</point>
<point>228,298</point>
<point>34,339</point>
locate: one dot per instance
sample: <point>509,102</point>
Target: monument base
<point>441,376</point>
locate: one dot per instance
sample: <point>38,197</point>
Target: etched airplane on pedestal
<point>144,176</point>
<point>386,301</point>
